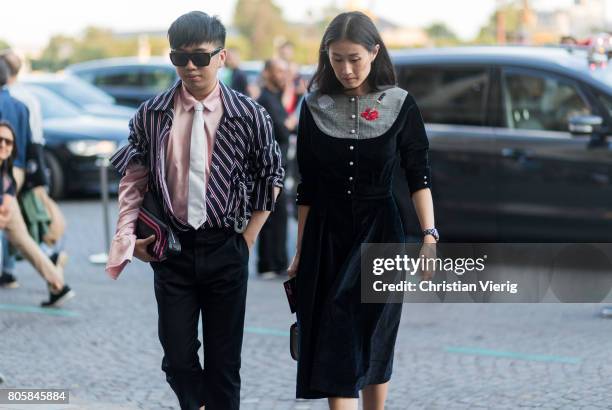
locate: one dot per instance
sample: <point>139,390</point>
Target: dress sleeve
<point>265,163</point>
<point>137,147</point>
<point>413,147</point>
<point>305,158</point>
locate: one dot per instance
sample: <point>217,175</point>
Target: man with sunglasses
<point>209,155</point>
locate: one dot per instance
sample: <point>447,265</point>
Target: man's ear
<point>222,57</point>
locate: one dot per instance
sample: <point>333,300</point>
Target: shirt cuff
<point>263,190</point>
<point>121,252</point>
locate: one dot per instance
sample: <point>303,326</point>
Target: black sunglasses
<point>199,59</point>
<point>7,142</point>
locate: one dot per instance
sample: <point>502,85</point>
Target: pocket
<point>242,247</point>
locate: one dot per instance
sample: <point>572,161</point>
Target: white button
<point>425,182</point>
<point>350,178</point>
<point>353,116</point>
<point>352,99</point>
<point>348,192</point>
<point>352,131</point>
<point>351,147</point>
<point>425,177</point>
<point>351,163</point>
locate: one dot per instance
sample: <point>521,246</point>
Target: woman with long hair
<point>355,125</point>
<point>13,224</point>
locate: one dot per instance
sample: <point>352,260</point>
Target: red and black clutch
<point>153,221</point>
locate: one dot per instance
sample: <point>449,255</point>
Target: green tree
<point>512,18</point>
<point>441,34</point>
<point>260,22</point>
<point>56,55</point>
<point>94,43</point>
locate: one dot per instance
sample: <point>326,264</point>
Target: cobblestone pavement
<point>103,346</point>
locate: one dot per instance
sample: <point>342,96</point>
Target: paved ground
<point>104,347</point>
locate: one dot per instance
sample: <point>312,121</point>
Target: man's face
<point>278,73</point>
<point>201,79</point>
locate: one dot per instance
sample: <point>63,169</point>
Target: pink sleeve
<point>132,188</point>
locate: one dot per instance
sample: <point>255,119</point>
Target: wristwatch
<point>433,232</point>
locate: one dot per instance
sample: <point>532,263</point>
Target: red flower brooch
<point>371,114</point>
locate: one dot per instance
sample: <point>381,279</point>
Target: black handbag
<point>153,221</point>
<point>293,341</point>
<point>290,290</point>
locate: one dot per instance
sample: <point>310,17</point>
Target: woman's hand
<point>293,267</point>
<point>428,250</point>
<point>5,211</point>
<point>140,249</point>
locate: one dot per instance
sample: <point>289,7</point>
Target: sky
<point>28,24</point>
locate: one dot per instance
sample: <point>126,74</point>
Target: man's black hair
<point>196,27</point>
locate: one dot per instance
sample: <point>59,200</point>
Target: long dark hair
<point>7,166</point>
<point>357,28</point>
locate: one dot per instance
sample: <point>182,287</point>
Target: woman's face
<point>7,140</point>
<point>351,63</point>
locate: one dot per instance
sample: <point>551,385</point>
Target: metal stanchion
<point>101,258</point>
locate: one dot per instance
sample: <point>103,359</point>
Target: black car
<point>74,142</point>
<point>519,142</point>
<point>86,97</point>
<point>129,80</point>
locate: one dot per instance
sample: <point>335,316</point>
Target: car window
<point>540,102</point>
<point>124,78</point>
<point>157,79</point>
<point>448,95</point>
<point>51,105</point>
<point>606,100</point>
<point>78,92</point>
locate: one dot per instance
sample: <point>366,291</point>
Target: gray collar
<point>363,117</point>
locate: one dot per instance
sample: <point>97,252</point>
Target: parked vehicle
<point>74,142</point>
<point>519,139</point>
<point>85,96</point>
<point>129,80</point>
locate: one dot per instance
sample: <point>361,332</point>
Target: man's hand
<point>249,238</point>
<point>291,122</point>
<point>140,249</point>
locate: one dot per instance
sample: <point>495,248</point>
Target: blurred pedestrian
<point>295,87</point>
<point>237,79</point>
<point>14,226</point>
<point>35,177</point>
<point>207,153</point>
<point>272,249</point>
<point>354,126</point>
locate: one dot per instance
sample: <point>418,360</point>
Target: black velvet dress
<point>347,150</point>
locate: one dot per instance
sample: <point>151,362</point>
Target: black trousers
<point>272,240</point>
<point>208,277</point>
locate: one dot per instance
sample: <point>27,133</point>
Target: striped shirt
<point>246,160</point>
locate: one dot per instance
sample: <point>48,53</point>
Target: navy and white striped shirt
<point>246,160</point>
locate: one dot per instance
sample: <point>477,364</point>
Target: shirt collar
<point>211,102</point>
<point>232,106</point>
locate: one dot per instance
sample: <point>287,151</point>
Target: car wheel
<point>55,175</point>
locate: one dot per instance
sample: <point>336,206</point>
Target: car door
<point>454,103</point>
<point>553,185</point>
